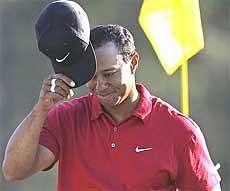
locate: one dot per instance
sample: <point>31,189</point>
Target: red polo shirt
<point>156,148</point>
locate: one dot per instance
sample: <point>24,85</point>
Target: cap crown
<point>59,25</point>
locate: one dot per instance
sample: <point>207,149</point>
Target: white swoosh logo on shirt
<point>141,150</point>
<point>62,59</point>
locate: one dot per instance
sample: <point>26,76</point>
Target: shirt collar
<point>144,106</point>
<point>142,110</point>
<point>96,107</point>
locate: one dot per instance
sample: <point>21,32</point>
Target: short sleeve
<point>196,170</point>
<point>48,138</point>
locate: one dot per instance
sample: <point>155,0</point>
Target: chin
<point>110,103</point>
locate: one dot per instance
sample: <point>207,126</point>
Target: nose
<point>97,84</point>
<point>101,83</point>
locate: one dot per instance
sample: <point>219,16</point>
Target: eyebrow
<point>109,69</point>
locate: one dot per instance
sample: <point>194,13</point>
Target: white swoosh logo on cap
<point>62,59</point>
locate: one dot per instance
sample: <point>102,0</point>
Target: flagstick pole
<point>184,89</point>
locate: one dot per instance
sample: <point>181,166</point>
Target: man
<point>117,138</point>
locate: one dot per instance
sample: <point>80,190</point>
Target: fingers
<point>55,89</point>
<point>64,78</point>
<point>59,87</point>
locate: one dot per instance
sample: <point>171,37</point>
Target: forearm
<point>22,157</point>
<point>23,145</point>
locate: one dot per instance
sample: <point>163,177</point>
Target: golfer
<point>118,137</point>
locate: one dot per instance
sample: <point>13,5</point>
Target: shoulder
<point>181,131</point>
<point>175,122</point>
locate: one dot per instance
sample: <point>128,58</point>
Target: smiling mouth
<point>103,95</point>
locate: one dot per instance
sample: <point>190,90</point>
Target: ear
<point>134,62</point>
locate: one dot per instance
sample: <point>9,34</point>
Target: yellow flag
<point>174,29</point>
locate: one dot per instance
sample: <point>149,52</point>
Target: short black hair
<point>119,35</point>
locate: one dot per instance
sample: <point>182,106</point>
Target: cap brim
<point>81,70</point>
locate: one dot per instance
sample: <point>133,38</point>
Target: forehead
<point>107,56</point>
<point>108,48</point>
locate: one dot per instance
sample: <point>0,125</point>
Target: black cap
<point>63,34</point>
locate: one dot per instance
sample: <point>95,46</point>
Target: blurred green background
<point>23,67</point>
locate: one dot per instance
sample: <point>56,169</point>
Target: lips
<point>104,95</point>
<point>107,98</point>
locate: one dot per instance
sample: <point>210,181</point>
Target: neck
<point>124,110</point>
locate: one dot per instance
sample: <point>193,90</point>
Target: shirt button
<point>113,145</point>
<point>115,129</point>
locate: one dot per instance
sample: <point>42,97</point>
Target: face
<point>114,80</point>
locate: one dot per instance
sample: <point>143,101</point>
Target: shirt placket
<point>114,153</point>
<point>114,145</point>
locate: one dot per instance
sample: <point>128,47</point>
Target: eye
<point>107,75</point>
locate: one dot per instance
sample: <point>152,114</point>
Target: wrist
<point>39,111</point>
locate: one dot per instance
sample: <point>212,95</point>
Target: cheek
<point>125,75</point>
<point>91,85</point>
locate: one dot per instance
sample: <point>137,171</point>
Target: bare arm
<point>22,149</point>
<point>24,156</point>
